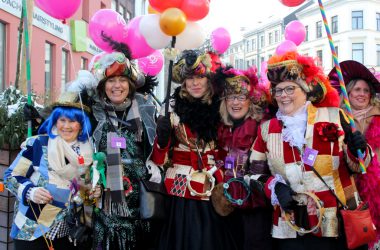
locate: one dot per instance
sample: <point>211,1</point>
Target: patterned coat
<point>332,162</point>
<point>30,169</point>
<point>185,161</point>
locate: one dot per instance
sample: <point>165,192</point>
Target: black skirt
<point>194,225</point>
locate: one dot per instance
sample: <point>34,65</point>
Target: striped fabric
<point>332,162</point>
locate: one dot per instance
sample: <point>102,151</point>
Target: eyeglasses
<point>240,98</point>
<point>289,90</point>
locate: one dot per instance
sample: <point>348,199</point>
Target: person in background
<point>363,89</point>
<point>242,109</point>
<point>308,138</point>
<point>186,146</point>
<point>44,174</point>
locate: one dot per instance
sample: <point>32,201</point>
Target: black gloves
<point>284,195</point>
<point>30,112</point>
<point>356,141</point>
<point>163,131</point>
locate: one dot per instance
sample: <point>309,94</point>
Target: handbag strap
<point>332,191</point>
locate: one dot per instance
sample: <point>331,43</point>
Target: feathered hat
<point>120,63</point>
<point>303,71</point>
<point>191,62</point>
<point>241,82</point>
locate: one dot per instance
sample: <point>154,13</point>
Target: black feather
<point>202,118</point>
<point>116,46</point>
<point>149,85</point>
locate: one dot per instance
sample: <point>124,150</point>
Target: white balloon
<point>150,29</point>
<point>192,37</point>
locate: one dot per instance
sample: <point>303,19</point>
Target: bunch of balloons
<point>295,33</point>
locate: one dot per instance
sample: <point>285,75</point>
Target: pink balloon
<point>152,64</point>
<point>109,22</point>
<point>295,31</point>
<point>136,41</point>
<point>220,40</point>
<point>60,9</point>
<point>285,46</point>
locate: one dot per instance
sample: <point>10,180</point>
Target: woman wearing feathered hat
<point>363,89</point>
<point>124,122</point>
<point>186,145</point>
<point>242,109</point>
<point>307,147</point>
<point>44,174</point>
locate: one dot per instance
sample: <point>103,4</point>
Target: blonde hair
<point>206,98</point>
<point>254,111</point>
<point>374,100</point>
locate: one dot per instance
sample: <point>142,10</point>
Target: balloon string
<point>341,82</point>
<point>168,90</point>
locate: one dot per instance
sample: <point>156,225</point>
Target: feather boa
<point>200,117</point>
<point>369,184</point>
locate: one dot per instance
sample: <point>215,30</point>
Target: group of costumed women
<point>233,154</point>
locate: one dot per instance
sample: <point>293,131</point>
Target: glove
<point>30,113</point>
<point>356,141</point>
<point>284,195</point>
<point>163,131</point>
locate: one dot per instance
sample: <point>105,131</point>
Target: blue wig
<point>73,114</point>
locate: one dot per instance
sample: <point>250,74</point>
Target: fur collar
<point>203,119</point>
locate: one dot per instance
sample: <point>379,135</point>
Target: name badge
<point>229,162</point>
<point>309,156</point>
<point>118,142</point>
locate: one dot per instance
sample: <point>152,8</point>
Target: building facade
<point>354,24</point>
<point>58,50</point>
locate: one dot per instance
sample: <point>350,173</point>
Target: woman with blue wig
<point>47,174</point>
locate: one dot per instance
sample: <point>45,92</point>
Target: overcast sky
<point>236,14</point>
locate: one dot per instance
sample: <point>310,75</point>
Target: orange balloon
<point>152,11</point>
<point>172,21</point>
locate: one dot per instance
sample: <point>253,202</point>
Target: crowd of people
<point>239,159</point>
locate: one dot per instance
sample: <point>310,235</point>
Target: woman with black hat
<point>186,146</point>
<point>363,89</point>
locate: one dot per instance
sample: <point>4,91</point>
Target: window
<point>48,71</point>
<point>2,56</point>
<point>378,54</point>
<point>357,20</point>
<point>318,26</point>
<point>334,24</point>
<point>248,45</point>
<point>307,33</point>
<point>236,63</point>
<point>122,11</point>
<point>261,41</point>
<point>378,21</point>
<point>270,38</point>
<point>358,52</point>
<point>128,16</point>
<point>65,69</point>
<point>253,44</point>
<point>276,36</point>
<point>253,62</point>
<point>114,5</point>
<point>248,65</point>
<point>86,10</point>
<point>262,59</point>
<point>332,57</point>
<point>83,63</point>
<point>320,57</point>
